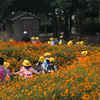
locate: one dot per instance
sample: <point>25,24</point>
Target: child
<point>40,65</point>
<point>47,56</point>
<point>60,43</point>
<point>82,43</point>
<point>6,64</point>
<point>56,41</point>
<point>52,41</point>
<point>38,41</point>
<point>84,54</point>
<point>3,70</point>
<point>33,40</point>
<point>51,67</point>
<point>49,42</point>
<point>70,43</point>
<point>62,40</point>
<point>27,70</point>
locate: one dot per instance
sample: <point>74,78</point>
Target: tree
<point>64,10</point>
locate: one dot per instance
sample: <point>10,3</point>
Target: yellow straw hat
<point>82,42</point>
<point>51,39</point>
<point>60,43</point>
<point>26,63</point>
<point>55,38</point>
<point>41,58</point>
<point>70,43</point>
<point>37,38</point>
<point>52,60</point>
<point>49,42</point>
<point>77,43</point>
<point>47,54</point>
<point>11,40</point>
<point>61,37</point>
<point>6,64</point>
<point>84,53</point>
<point>33,38</point>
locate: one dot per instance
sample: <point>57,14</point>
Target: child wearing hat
<point>70,43</point>
<point>82,43</point>
<point>6,64</point>
<point>51,67</point>
<point>49,42</point>
<point>38,41</point>
<point>40,65</point>
<point>33,40</point>
<point>84,54</point>
<point>47,56</point>
<point>56,41</point>
<point>3,70</point>
<point>52,41</point>
<point>60,43</point>
<point>27,70</point>
<point>62,40</point>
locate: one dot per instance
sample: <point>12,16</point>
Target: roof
<point>19,14</point>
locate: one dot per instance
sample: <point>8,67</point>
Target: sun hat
<point>77,43</point>
<point>82,42</point>
<point>26,63</point>
<point>49,42</point>
<point>47,54</point>
<point>6,64</point>
<point>33,38</point>
<point>70,43</point>
<point>41,58</point>
<point>25,32</point>
<point>11,40</point>
<point>61,37</point>
<point>60,43</point>
<point>52,60</point>
<point>84,53</point>
<point>37,38</point>
<point>51,39</point>
<point>55,38</point>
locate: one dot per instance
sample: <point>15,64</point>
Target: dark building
<point>21,21</point>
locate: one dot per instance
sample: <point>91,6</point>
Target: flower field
<point>74,80</point>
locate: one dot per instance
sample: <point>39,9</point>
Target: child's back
<point>27,72</point>
<point>2,73</point>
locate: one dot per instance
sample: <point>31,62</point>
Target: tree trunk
<point>99,12</point>
<point>59,27</point>
<point>80,28</point>
<point>55,26</point>
<point>93,29</point>
<point>70,27</point>
<point>55,29</point>
<point>66,34</point>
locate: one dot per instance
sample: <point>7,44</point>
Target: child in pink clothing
<point>26,70</point>
<point>6,64</point>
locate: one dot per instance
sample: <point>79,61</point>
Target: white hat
<point>25,32</point>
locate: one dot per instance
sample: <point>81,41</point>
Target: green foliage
<point>45,25</point>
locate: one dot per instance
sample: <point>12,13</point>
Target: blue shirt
<point>45,63</point>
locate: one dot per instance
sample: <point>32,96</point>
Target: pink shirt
<point>31,69</point>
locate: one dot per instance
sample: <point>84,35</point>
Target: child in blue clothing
<point>47,56</point>
<point>51,67</point>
